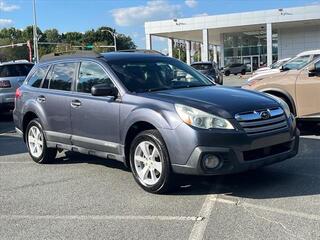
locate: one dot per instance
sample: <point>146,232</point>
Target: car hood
<point>222,101</point>
<point>268,74</point>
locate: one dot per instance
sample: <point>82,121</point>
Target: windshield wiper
<point>192,86</point>
<point>157,89</point>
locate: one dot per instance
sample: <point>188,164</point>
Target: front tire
<point>150,163</point>
<point>37,145</point>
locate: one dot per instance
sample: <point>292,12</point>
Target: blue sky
<point>126,16</point>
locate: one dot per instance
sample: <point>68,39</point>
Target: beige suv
<point>298,84</point>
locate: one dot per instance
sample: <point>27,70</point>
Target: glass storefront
<point>249,48</point>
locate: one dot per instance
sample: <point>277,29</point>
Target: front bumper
<point>238,152</point>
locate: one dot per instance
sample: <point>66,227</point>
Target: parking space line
<point>199,227</point>
<point>270,209</point>
<point>99,217</point>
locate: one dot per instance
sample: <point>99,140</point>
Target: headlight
<point>200,119</point>
<point>283,104</point>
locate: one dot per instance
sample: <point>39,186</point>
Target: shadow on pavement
<point>11,145</point>
<point>298,176</point>
<point>74,158</point>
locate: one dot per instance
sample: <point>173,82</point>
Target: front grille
<point>262,121</point>
<point>266,152</point>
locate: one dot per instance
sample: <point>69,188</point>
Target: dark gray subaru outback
<point>154,113</point>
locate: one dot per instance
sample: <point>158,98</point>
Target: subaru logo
<point>265,115</point>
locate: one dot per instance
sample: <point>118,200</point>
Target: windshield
<point>146,75</point>
<point>297,63</point>
<point>202,66</point>
<point>15,70</point>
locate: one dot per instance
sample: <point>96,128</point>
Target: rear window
<point>62,76</point>
<point>202,66</point>
<point>15,70</point>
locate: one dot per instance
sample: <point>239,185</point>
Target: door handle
<point>41,99</point>
<point>75,103</point>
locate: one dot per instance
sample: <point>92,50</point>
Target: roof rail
<point>67,54</point>
<point>142,51</point>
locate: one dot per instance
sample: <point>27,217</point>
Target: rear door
<point>55,99</point>
<point>95,120</point>
<point>308,93</point>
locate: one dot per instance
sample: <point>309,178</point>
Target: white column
<point>269,44</point>
<point>215,54</point>
<point>205,46</point>
<point>188,52</point>
<point>221,51</point>
<point>170,47</point>
<point>148,41</point>
<point>193,51</point>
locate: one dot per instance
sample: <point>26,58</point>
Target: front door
<point>95,120</point>
<point>308,93</point>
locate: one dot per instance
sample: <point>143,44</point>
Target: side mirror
<point>312,70</point>
<point>104,90</point>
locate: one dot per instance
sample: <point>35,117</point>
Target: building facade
<point>252,38</point>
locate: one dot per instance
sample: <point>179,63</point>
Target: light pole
<point>114,38</point>
<point>35,37</point>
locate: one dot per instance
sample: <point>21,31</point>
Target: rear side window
<point>91,74</point>
<point>15,70</point>
<point>38,75</point>
<point>61,76</point>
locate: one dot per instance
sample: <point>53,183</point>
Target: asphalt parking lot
<point>81,197</point>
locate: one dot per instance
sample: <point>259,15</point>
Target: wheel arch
<point>284,95</point>
<point>132,132</point>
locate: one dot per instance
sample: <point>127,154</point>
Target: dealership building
<point>252,38</point>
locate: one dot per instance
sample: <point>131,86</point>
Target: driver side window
<point>91,74</point>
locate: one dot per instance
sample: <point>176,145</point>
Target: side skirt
<point>119,157</point>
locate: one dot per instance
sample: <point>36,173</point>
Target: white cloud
<point>200,15</point>
<point>5,7</point>
<point>5,22</point>
<point>191,3</point>
<point>153,10</point>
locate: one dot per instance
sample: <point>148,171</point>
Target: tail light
<point>5,84</point>
<point>18,93</point>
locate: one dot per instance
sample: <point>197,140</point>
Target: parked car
<point>273,68</point>
<point>132,107</point>
<point>298,84</point>
<point>294,63</point>
<point>12,74</point>
<point>235,68</point>
<point>209,69</point>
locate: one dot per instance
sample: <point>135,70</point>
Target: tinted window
<point>317,65</point>
<point>91,74</point>
<point>37,77</point>
<point>15,70</point>
<point>315,56</point>
<point>62,76</point>
<point>143,75</point>
<point>202,66</point>
<point>297,63</point>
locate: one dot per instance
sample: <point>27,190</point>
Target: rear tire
<point>150,163</point>
<point>243,72</point>
<point>227,73</point>
<point>37,144</point>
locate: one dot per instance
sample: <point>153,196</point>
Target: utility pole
<point>35,37</point>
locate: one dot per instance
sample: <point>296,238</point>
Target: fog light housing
<point>211,161</point>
